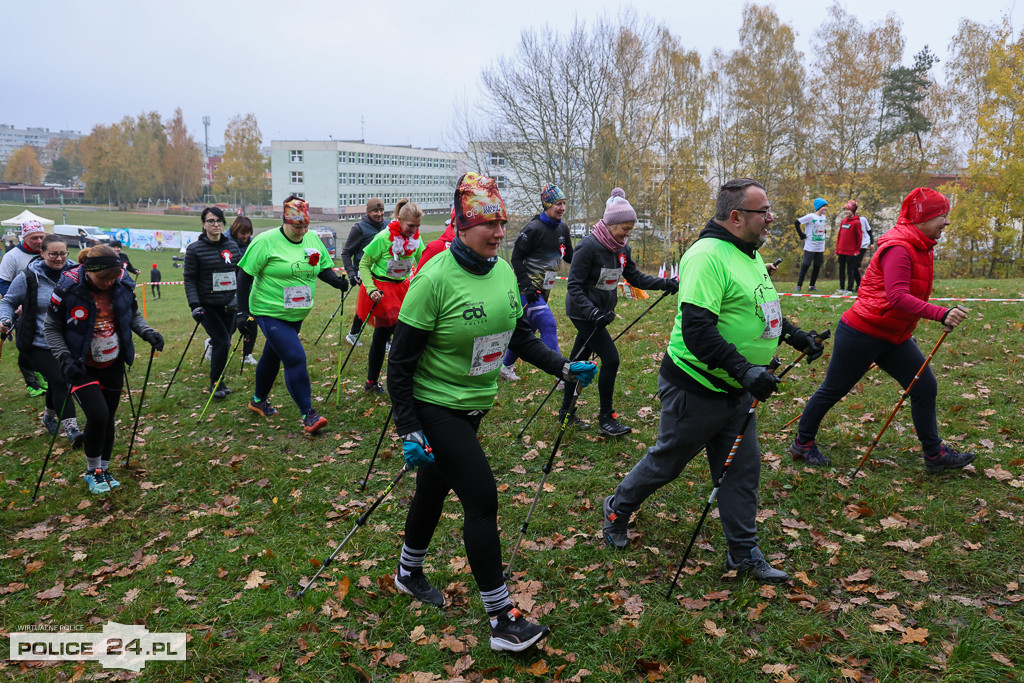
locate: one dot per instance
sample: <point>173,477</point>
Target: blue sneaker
<point>96,482</point>
<point>109,479</point>
<point>263,407</point>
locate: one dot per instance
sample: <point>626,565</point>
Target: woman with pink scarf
<point>601,259</point>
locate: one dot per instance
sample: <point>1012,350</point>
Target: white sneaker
<point>508,373</point>
<point>353,339</point>
<point>249,360</point>
<point>208,353</point>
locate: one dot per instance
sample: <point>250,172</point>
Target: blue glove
<point>583,371</point>
<point>416,449</point>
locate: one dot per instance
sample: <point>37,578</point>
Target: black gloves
<point>602,318</point>
<point>198,313</point>
<point>532,295</point>
<point>340,284</point>
<point>354,280</point>
<point>245,324</point>
<point>155,339</point>
<point>758,381</point>
<point>671,285</point>
<point>806,342</point>
<point>73,369</point>
<point>799,231</point>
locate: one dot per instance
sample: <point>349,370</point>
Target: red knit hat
<point>922,205</point>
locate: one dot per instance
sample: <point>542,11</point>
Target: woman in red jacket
<point>893,297</point>
<point>848,247</point>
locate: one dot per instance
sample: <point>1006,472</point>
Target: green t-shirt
<point>470,319</point>
<point>284,279</point>
<point>379,262</point>
<point>715,275</point>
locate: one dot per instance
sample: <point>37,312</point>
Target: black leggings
<point>57,391</point>
<point>378,349</point>
<point>460,465</point>
<point>98,397</point>
<point>810,257</point>
<point>219,323</point>
<point>849,266</point>
<point>600,343</point>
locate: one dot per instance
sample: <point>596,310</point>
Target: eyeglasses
<point>763,212</point>
<point>213,221</point>
<point>57,254</point>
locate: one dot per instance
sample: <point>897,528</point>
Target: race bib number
<point>224,282</point>
<point>608,278</point>
<point>549,279</point>
<point>772,312</point>
<point>105,348</point>
<point>818,232</point>
<point>298,297</point>
<point>399,269</point>
<point>488,352</point>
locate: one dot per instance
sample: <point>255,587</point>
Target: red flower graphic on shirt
<point>314,258</point>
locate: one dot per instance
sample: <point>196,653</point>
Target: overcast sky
<point>388,71</point>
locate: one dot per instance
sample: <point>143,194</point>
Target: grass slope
<point>897,575</point>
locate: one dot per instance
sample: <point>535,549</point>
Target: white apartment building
<point>339,176</point>
<point>12,139</point>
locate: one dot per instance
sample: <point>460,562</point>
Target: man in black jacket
<point>541,245</point>
<point>361,234</point>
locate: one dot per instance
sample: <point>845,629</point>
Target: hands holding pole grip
<point>416,449</point>
<point>582,371</point>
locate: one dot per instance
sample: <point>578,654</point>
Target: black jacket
<point>594,277</point>
<point>361,234</point>
<point>539,248</point>
<point>210,272</point>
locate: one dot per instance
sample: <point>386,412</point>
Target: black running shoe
<point>574,421</point>
<point>513,633</point>
<point>608,425</point>
<point>948,458</point>
<point>417,586</point>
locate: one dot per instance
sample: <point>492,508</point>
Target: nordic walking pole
<point>340,307</point>
<point>553,388</point>
<point>129,390</point>
<point>383,431</point>
<point>53,440</point>
<point>181,360</point>
<point>3,338</point>
<point>646,311</point>
<point>547,470</point>
<point>138,414</point>
<point>359,523</point>
<point>341,368</point>
<point>903,397</point>
<point>220,379</point>
<point>718,484</point>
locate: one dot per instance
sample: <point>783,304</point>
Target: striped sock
<point>496,601</point>
<point>411,560</point>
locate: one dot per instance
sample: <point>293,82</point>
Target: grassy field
<point>897,575</point>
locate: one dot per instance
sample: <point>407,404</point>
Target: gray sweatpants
<point>688,422</point>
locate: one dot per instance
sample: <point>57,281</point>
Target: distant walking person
<point>877,329</point>
<point>241,233</point>
<point>814,243</point>
<point>123,258</point>
<point>14,262</point>
<point>542,244</point>
<point>866,240</point>
<point>155,280</point>
<point>361,234</point>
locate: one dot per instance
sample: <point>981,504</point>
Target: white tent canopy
<point>26,216</point>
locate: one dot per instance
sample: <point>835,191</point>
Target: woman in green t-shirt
<point>385,268</point>
<point>461,314</point>
<point>276,281</point>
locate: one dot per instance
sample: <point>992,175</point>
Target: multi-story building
<point>339,176</point>
<point>12,139</point>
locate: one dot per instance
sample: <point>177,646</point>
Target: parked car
<point>90,234</point>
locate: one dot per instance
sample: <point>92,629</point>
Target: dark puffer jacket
<point>210,272</point>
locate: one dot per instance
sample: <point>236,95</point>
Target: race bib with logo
<point>772,311</point>
<point>224,282</point>
<point>105,345</point>
<point>399,269</point>
<point>298,297</point>
<point>608,278</point>
<point>488,352</point>
<point>549,279</point>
